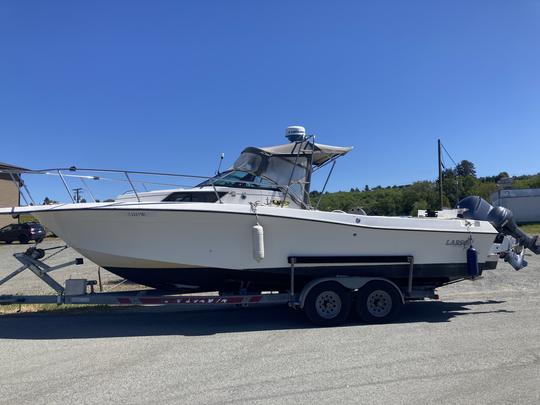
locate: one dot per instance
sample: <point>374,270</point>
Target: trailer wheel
<point>378,302</point>
<point>328,304</point>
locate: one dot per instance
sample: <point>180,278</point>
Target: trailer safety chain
<point>60,250</point>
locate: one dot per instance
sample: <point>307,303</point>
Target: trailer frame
<point>81,291</point>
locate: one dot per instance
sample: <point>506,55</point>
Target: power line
<point>443,163</point>
<point>78,191</point>
<point>455,164</point>
<point>449,155</point>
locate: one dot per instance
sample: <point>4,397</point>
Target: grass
<point>531,229</point>
<point>24,218</point>
<point>33,308</point>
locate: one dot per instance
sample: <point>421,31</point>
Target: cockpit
<point>286,168</point>
<point>278,175</point>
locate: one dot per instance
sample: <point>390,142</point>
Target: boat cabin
<point>278,175</point>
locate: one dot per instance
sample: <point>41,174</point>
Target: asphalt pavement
<point>479,344</point>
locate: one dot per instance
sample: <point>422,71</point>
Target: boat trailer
<point>327,301</point>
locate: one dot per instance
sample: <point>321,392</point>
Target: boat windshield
<point>255,170</point>
<point>240,179</point>
<point>286,171</point>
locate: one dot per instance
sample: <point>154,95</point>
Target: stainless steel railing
<point>68,172</point>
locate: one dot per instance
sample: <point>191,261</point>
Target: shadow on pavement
<point>121,323</point>
<point>440,311</point>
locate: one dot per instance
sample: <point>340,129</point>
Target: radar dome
<point>295,133</point>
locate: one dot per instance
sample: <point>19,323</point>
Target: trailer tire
<point>378,302</point>
<point>328,304</point>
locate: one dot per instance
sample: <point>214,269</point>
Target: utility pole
<point>440,174</point>
<point>78,192</point>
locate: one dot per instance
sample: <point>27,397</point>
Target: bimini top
<point>289,165</point>
<point>320,153</point>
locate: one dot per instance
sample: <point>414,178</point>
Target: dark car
<point>24,233</point>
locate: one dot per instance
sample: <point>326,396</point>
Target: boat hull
<point>198,247</point>
<point>219,279</point>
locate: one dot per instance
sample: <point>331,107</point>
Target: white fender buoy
<point>258,242</point>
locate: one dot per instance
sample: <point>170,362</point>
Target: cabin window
<point>183,196</point>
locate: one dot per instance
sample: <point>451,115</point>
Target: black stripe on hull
<point>278,279</point>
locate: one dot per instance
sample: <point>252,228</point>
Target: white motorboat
<point>237,230</point>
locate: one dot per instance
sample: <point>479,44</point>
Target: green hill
<point>407,200</point>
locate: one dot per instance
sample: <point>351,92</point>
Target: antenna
<point>220,162</point>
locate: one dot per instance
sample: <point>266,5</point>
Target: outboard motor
<point>502,219</point>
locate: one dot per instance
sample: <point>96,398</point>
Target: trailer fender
<point>351,283</point>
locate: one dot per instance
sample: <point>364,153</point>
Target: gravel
<point>28,283</point>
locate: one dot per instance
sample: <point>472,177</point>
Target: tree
<point>466,168</point>
<point>501,175</point>
<point>418,205</point>
<point>408,199</point>
<point>484,189</point>
<point>48,201</point>
<point>452,187</point>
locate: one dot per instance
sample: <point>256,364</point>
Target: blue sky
<point>168,85</point>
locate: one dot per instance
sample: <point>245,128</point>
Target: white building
<point>524,203</point>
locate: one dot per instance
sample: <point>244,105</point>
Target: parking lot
<point>479,344</point>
